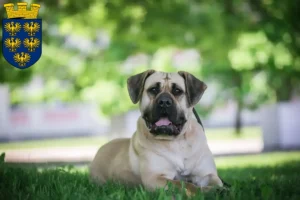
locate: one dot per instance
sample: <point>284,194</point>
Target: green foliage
<point>250,48</point>
<point>278,20</point>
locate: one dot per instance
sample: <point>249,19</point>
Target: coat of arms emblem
<point>22,35</point>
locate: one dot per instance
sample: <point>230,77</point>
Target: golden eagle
<point>12,28</point>
<point>22,58</point>
<point>31,43</point>
<point>12,44</point>
<point>31,28</point>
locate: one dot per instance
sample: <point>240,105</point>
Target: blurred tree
<point>135,27</point>
<point>279,20</point>
<point>214,28</point>
<point>211,27</point>
<point>75,66</point>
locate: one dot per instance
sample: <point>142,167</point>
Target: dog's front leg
<point>157,175</point>
<point>159,181</point>
<point>208,182</point>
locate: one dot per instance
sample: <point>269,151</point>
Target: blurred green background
<point>249,48</point>
<point>248,52</point>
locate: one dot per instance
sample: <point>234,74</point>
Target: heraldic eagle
<point>31,43</point>
<point>12,43</point>
<point>22,58</point>
<point>31,28</point>
<point>12,28</point>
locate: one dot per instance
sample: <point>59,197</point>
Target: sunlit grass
<point>258,160</point>
<point>229,133</point>
<point>212,134</point>
<point>62,142</point>
<point>265,176</point>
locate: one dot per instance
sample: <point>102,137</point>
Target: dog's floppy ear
<point>135,85</point>
<point>194,87</point>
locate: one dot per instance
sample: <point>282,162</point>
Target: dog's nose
<point>165,101</point>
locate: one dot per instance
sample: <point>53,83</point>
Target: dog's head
<point>166,99</point>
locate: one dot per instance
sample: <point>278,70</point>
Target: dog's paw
<point>191,189</point>
<point>189,193</point>
<point>217,189</point>
<point>206,189</point>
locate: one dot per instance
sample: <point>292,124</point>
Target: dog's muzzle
<point>164,119</point>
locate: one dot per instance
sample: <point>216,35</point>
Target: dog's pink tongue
<point>163,122</point>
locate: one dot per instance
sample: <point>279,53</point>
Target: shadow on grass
<point>17,182</point>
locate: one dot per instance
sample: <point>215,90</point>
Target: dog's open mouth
<point>164,127</point>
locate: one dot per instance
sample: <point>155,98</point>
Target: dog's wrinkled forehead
<point>165,79</point>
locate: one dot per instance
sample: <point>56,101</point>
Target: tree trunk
<point>285,90</point>
<point>239,98</point>
<point>238,117</point>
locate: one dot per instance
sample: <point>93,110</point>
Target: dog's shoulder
<point>195,131</point>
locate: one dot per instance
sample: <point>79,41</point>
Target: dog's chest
<point>180,154</point>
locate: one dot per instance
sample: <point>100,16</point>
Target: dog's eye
<point>177,91</point>
<point>154,90</point>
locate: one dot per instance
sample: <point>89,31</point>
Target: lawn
<point>212,134</point>
<point>265,176</point>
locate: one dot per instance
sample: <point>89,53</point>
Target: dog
<point>169,145</point>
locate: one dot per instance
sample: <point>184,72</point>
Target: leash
<point>198,118</point>
<point>200,122</point>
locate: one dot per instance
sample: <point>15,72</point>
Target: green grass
<point>212,134</point>
<point>254,132</point>
<point>62,142</point>
<point>265,176</point>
